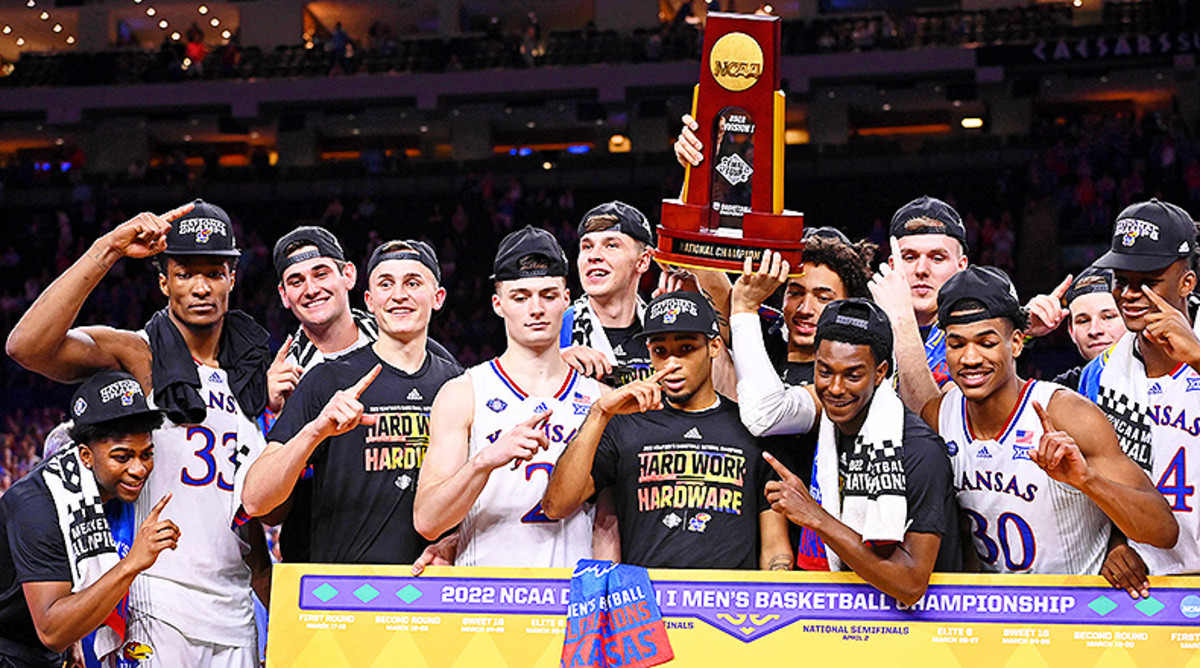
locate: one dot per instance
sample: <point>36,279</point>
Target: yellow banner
<point>329,616</point>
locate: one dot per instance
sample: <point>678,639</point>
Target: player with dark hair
<point>496,431</point>
<point>361,421</point>
<point>1037,467</point>
<point>207,366</point>
<point>711,513</point>
<point>1093,319</point>
<point>58,586</point>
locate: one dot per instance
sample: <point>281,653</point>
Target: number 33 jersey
<point>1022,520</point>
<point>505,526</point>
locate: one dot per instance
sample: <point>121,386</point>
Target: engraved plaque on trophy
<point>732,204</point>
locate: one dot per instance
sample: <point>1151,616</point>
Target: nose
<point>921,266</point>
<point>137,468</point>
<point>309,287</point>
<point>201,286</point>
<point>808,305</point>
<point>970,355</point>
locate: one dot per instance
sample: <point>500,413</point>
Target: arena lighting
<point>20,41</point>
<point>547,165</point>
<point>45,16</point>
<point>163,24</point>
<point>215,22</point>
<point>70,39</point>
<point>6,30</point>
<point>57,27</point>
<point>203,9</point>
<point>58,141</point>
<point>619,143</point>
<point>225,34</point>
<point>31,3</point>
<point>175,36</point>
<point>187,137</point>
<point>579,148</point>
<point>150,11</point>
<point>972,122</point>
<point>887,106</point>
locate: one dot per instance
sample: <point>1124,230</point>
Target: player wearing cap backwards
<point>54,592</point>
<point>207,368</point>
<point>1146,382</point>
<point>362,422</point>
<point>600,329</point>
<point>687,478</point>
<point>496,432</point>
<point>1037,467</point>
<point>1093,319</point>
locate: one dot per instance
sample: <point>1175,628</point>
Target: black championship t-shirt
<point>688,487</point>
<point>364,480</point>
<point>929,488</point>
<point>633,359</point>
<point>1070,377</point>
<point>31,550</point>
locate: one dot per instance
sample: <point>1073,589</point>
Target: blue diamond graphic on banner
<point>325,592</point>
<point>1102,605</point>
<point>1150,606</point>
<point>366,593</point>
<point>409,594</point>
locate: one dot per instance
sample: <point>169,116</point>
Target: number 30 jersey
<point>1022,520</point>
<point>505,526</point>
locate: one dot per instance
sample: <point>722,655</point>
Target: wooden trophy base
<point>686,240</point>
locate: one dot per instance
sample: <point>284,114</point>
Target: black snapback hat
<point>680,311</point>
<point>826,232</point>
<point>1148,236</point>
<point>1089,281</point>
<point>527,241</point>
<point>860,316</point>
<point>940,218</point>
<point>620,217</point>
<point>323,241</point>
<point>986,285</point>
<point>416,250</point>
<point>108,395</point>
<point>205,230</point>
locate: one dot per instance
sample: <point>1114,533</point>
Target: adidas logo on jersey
<point>1155,389</point>
<point>984,453</point>
<point>542,408</point>
<point>215,378</point>
<point>619,351</point>
<point>693,433</point>
<point>415,395</point>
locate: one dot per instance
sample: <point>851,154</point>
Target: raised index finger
<point>175,213</point>
<point>363,383</point>
<point>1047,423</point>
<point>283,350</point>
<point>537,418</point>
<point>1062,288</point>
<point>664,372</point>
<point>784,472</point>
<point>1157,300</point>
<point>154,512</point>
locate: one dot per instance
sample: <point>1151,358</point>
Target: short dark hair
<point>142,423</point>
<point>851,262</point>
<point>160,261</point>
<point>1019,320</point>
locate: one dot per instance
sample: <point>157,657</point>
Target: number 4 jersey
<point>1022,521</point>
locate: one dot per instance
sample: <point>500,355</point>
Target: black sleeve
<point>1070,378</point>
<point>605,463</point>
<point>928,472</point>
<point>305,404</point>
<point>34,539</point>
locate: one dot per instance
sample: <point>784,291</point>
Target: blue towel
<point>613,618</point>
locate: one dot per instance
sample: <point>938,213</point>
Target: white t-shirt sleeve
<point>766,405</point>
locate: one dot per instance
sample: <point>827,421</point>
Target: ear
<point>283,297</point>
<point>715,346</point>
<point>86,456</point>
<point>496,305</point>
<point>1018,342</point>
<point>162,284</point>
<point>367,300</point>
<point>881,371</point>
<point>644,260</point>
<point>963,261</point>
<point>349,275</point>
<point>1187,283</point>
<point>439,298</point>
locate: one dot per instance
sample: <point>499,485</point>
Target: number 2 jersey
<point>1022,521</point>
<point>505,526</point>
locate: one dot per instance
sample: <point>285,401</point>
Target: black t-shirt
<point>633,359</point>
<point>929,488</point>
<point>1070,378</point>
<point>688,487</point>
<point>364,480</point>
<point>32,551</point>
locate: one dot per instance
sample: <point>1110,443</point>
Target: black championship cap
<point>988,286</point>
<point>511,263</point>
<point>205,230</point>
<point>861,317</point>
<point>1089,281</point>
<point>680,311</point>
<point>108,395</point>
<point>1148,236</point>
<point>935,216</point>
<point>619,216</point>
<point>416,250</point>
<point>323,243</point>
<point>826,232</point>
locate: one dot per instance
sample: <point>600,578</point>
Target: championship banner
<point>358,616</point>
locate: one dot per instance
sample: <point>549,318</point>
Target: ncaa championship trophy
<point>732,204</point>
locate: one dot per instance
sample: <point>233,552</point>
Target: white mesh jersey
<point>505,526</point>
<point>1175,429</point>
<point>202,588</point>
<point>1022,520</point>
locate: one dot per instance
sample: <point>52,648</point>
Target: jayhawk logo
<point>127,398</point>
<point>699,522</point>
<point>670,316</point>
<point>203,234</point>
<point>136,651</point>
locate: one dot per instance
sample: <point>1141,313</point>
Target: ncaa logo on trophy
<point>732,204</point>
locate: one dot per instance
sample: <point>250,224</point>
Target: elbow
<point>254,505</point>
<point>909,593</point>
<point>1165,535</point>
<point>553,508</point>
<point>18,346</point>
<point>426,526</point>
<point>53,640</point>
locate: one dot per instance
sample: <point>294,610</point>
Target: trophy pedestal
<point>685,238</point>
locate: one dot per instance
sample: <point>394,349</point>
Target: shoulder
<point>920,440</point>
<point>1070,378</point>
<point>26,493</point>
<point>444,366</point>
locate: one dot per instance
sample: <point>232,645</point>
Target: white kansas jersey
<point>506,526</point>
<point>1022,520</point>
<point>202,588</point>
<point>1174,403</point>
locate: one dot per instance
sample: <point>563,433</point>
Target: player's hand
<point>789,497</point>
<point>521,443</point>
<point>1168,327</point>
<point>638,396</point>
<point>145,234</point>
<point>889,288</point>
<point>153,536</point>
<point>344,410</point>
<point>441,553</point>
<point>282,378</point>
<point>688,146</point>
<point>675,279</point>
<point>587,361</point>
<point>1046,311</point>
<point>1058,454</point>
<point>754,287</point>
<point>75,656</point>
<point>1124,569</point>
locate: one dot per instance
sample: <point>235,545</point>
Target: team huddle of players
<point>853,432</point>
